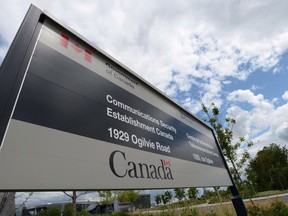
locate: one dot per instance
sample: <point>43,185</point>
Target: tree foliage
<point>166,197</point>
<point>106,197</point>
<point>42,213</point>
<point>54,211</point>
<point>269,169</point>
<point>192,193</point>
<point>180,193</point>
<point>223,128</point>
<point>158,199</point>
<point>68,211</point>
<point>128,196</point>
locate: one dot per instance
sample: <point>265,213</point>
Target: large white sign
<point>84,121</point>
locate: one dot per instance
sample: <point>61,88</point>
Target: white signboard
<point>84,121</point>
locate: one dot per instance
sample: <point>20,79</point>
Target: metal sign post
<point>238,202</point>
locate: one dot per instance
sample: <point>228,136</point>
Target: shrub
<point>255,210</point>
<point>83,213</point>
<point>276,208</point>
<point>42,213</point>
<point>54,211</point>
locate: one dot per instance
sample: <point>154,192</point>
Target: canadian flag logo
<point>166,163</point>
<point>64,42</point>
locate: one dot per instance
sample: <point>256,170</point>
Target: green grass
<point>185,208</point>
<point>270,193</point>
<point>274,208</point>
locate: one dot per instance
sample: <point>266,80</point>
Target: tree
<point>68,210</point>
<point>180,193</point>
<point>269,169</point>
<point>42,213</point>
<point>218,194</point>
<point>74,197</point>
<point>54,211</point>
<point>128,196</point>
<point>166,197</point>
<point>192,193</point>
<point>158,199</point>
<point>224,134</point>
<point>83,213</point>
<point>106,197</point>
<point>208,194</point>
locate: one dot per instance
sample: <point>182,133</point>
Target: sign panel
<point>84,121</point>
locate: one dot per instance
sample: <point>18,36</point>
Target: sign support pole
<point>236,197</point>
<point>237,201</point>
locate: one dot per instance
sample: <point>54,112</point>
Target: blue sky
<point>233,53</point>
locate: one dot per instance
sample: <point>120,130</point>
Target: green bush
<point>276,208</point>
<point>67,210</point>
<point>54,211</point>
<point>83,213</point>
<point>42,213</point>
<point>255,210</point>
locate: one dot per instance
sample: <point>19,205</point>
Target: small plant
<point>194,212</point>
<point>255,210</point>
<point>190,212</point>
<point>226,212</point>
<point>212,213</point>
<point>276,208</point>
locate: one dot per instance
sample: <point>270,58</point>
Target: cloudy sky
<point>232,53</point>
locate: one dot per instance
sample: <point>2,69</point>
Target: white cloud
<point>242,127</point>
<point>227,82</point>
<point>257,101</point>
<point>199,39</point>
<point>285,95</point>
<point>255,87</point>
<point>205,42</point>
<point>282,131</point>
<point>263,123</point>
